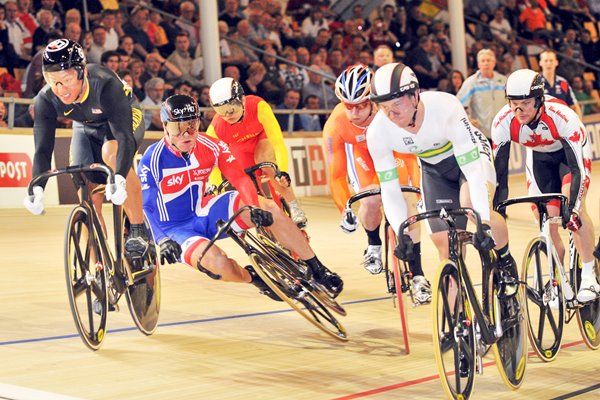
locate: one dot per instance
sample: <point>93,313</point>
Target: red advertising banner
<point>15,169</point>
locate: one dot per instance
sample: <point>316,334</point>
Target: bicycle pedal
<point>113,307</point>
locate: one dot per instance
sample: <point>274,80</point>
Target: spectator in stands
<point>256,73</point>
<point>243,33</point>
<point>314,22</point>
<point>25,16</point>
<point>501,29</point>
<point>589,49</point>
<point>110,59</point>
<point>517,58</point>
<point>127,44</point>
<point>124,59</point>
<point>72,15</point>
<point>573,14</point>
<point>190,23</point>
<point>358,17</point>
<point>273,84</point>
<point>18,35</point>
<point>555,85</point>
<point>182,59</point>
<point>3,115</point>
<point>336,63</point>
<point>381,34</point>
<point>321,40</point>
<point>34,79</point>
<point>232,71</point>
<point>583,95</point>
<point>94,54</point>
<point>136,67</point>
<point>155,65</point>
<point>157,34</point>
<point>534,23</point>
<point>40,36</point>
<point>291,74</point>
<point>455,81</point>
<point>291,101</point>
<point>182,87</point>
<point>25,118</point>
<point>154,89</point>
<point>231,14</point>
<point>483,93</point>
<point>73,32</point>
<point>204,101</point>
<point>570,65</point>
<point>324,92</point>
<point>57,11</point>
<point>8,56</point>
<point>135,28</point>
<point>418,59</point>
<point>571,40</point>
<point>108,20</point>
<point>311,122</point>
<point>382,55</point>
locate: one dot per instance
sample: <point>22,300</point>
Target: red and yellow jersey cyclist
<point>247,124</point>
<point>348,158</point>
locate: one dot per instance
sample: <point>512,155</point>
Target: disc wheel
<point>143,296</point>
<point>453,334</point>
<point>544,302</point>
<point>588,316</point>
<point>85,278</point>
<point>298,295</point>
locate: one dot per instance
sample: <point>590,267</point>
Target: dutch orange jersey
<point>258,118</point>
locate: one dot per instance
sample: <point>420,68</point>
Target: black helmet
<point>179,108</point>
<point>63,54</point>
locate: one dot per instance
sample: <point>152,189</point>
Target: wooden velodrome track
<point>225,341</point>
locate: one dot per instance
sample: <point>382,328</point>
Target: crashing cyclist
<point>174,173</point>
<point>558,160</point>
<point>455,158</point>
<point>106,127</point>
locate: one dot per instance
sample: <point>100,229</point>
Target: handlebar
<point>374,192</point>
<point>265,164</point>
<point>445,215</point>
<point>540,201</point>
<point>95,167</point>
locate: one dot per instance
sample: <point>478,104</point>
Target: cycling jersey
<point>559,130</point>
<point>242,136</point>
<point>349,159</point>
<point>105,112</point>
<point>173,183</point>
<point>445,133</point>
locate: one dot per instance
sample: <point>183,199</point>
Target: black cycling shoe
<point>136,245</point>
<point>261,285</point>
<point>463,367</point>
<point>332,281</point>
<point>509,277</point>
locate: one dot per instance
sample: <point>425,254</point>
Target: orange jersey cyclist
<point>247,124</point>
<point>345,140</point>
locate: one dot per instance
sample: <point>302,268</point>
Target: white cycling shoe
<point>589,289</point>
<point>372,259</point>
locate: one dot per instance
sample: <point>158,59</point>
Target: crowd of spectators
<point>158,54</point>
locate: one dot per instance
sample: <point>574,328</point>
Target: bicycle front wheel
<point>544,301</point>
<point>588,316</point>
<point>511,348</point>
<point>298,295</point>
<point>453,334</point>
<point>86,278</point>
<point>143,296</point>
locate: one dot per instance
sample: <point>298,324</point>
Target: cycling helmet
<point>63,54</point>
<point>524,84</point>
<point>225,91</point>
<point>353,86</point>
<point>179,108</point>
<point>392,81</point>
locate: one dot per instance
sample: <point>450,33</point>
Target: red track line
<point>424,379</point>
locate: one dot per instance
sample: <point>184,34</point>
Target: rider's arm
<point>394,204</point>
<point>44,132</point>
<point>470,147</point>
<point>115,100</point>
<point>273,132</point>
<point>233,171</point>
<point>336,158</point>
<point>501,140</point>
<point>573,137</point>
<point>150,194</point>
<point>215,176</point>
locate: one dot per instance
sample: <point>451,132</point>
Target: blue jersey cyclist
<point>174,173</point>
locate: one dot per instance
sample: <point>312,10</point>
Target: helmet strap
<point>414,117</point>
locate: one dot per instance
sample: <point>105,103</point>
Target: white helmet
<point>353,86</point>
<point>392,81</point>
<point>524,84</point>
<point>224,91</point>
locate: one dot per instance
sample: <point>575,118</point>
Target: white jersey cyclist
<point>446,139</point>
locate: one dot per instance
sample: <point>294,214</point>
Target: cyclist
<point>105,128</point>
<point>456,160</point>
<point>174,173</point>
<point>344,136</point>
<point>247,124</point>
<point>557,160</point>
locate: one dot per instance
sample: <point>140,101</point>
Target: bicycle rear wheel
<point>588,316</point>
<point>86,278</point>
<point>453,334</point>
<point>544,302</point>
<point>511,348</point>
<point>298,295</point>
<point>143,296</point>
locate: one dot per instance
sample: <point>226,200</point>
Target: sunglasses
<point>359,106</point>
<point>230,108</point>
<point>178,129</point>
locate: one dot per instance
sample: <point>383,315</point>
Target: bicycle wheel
<point>297,268</point>
<point>588,316</point>
<point>86,278</point>
<point>511,348</point>
<point>453,334</point>
<point>297,294</point>
<point>544,302</point>
<point>143,296</point>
